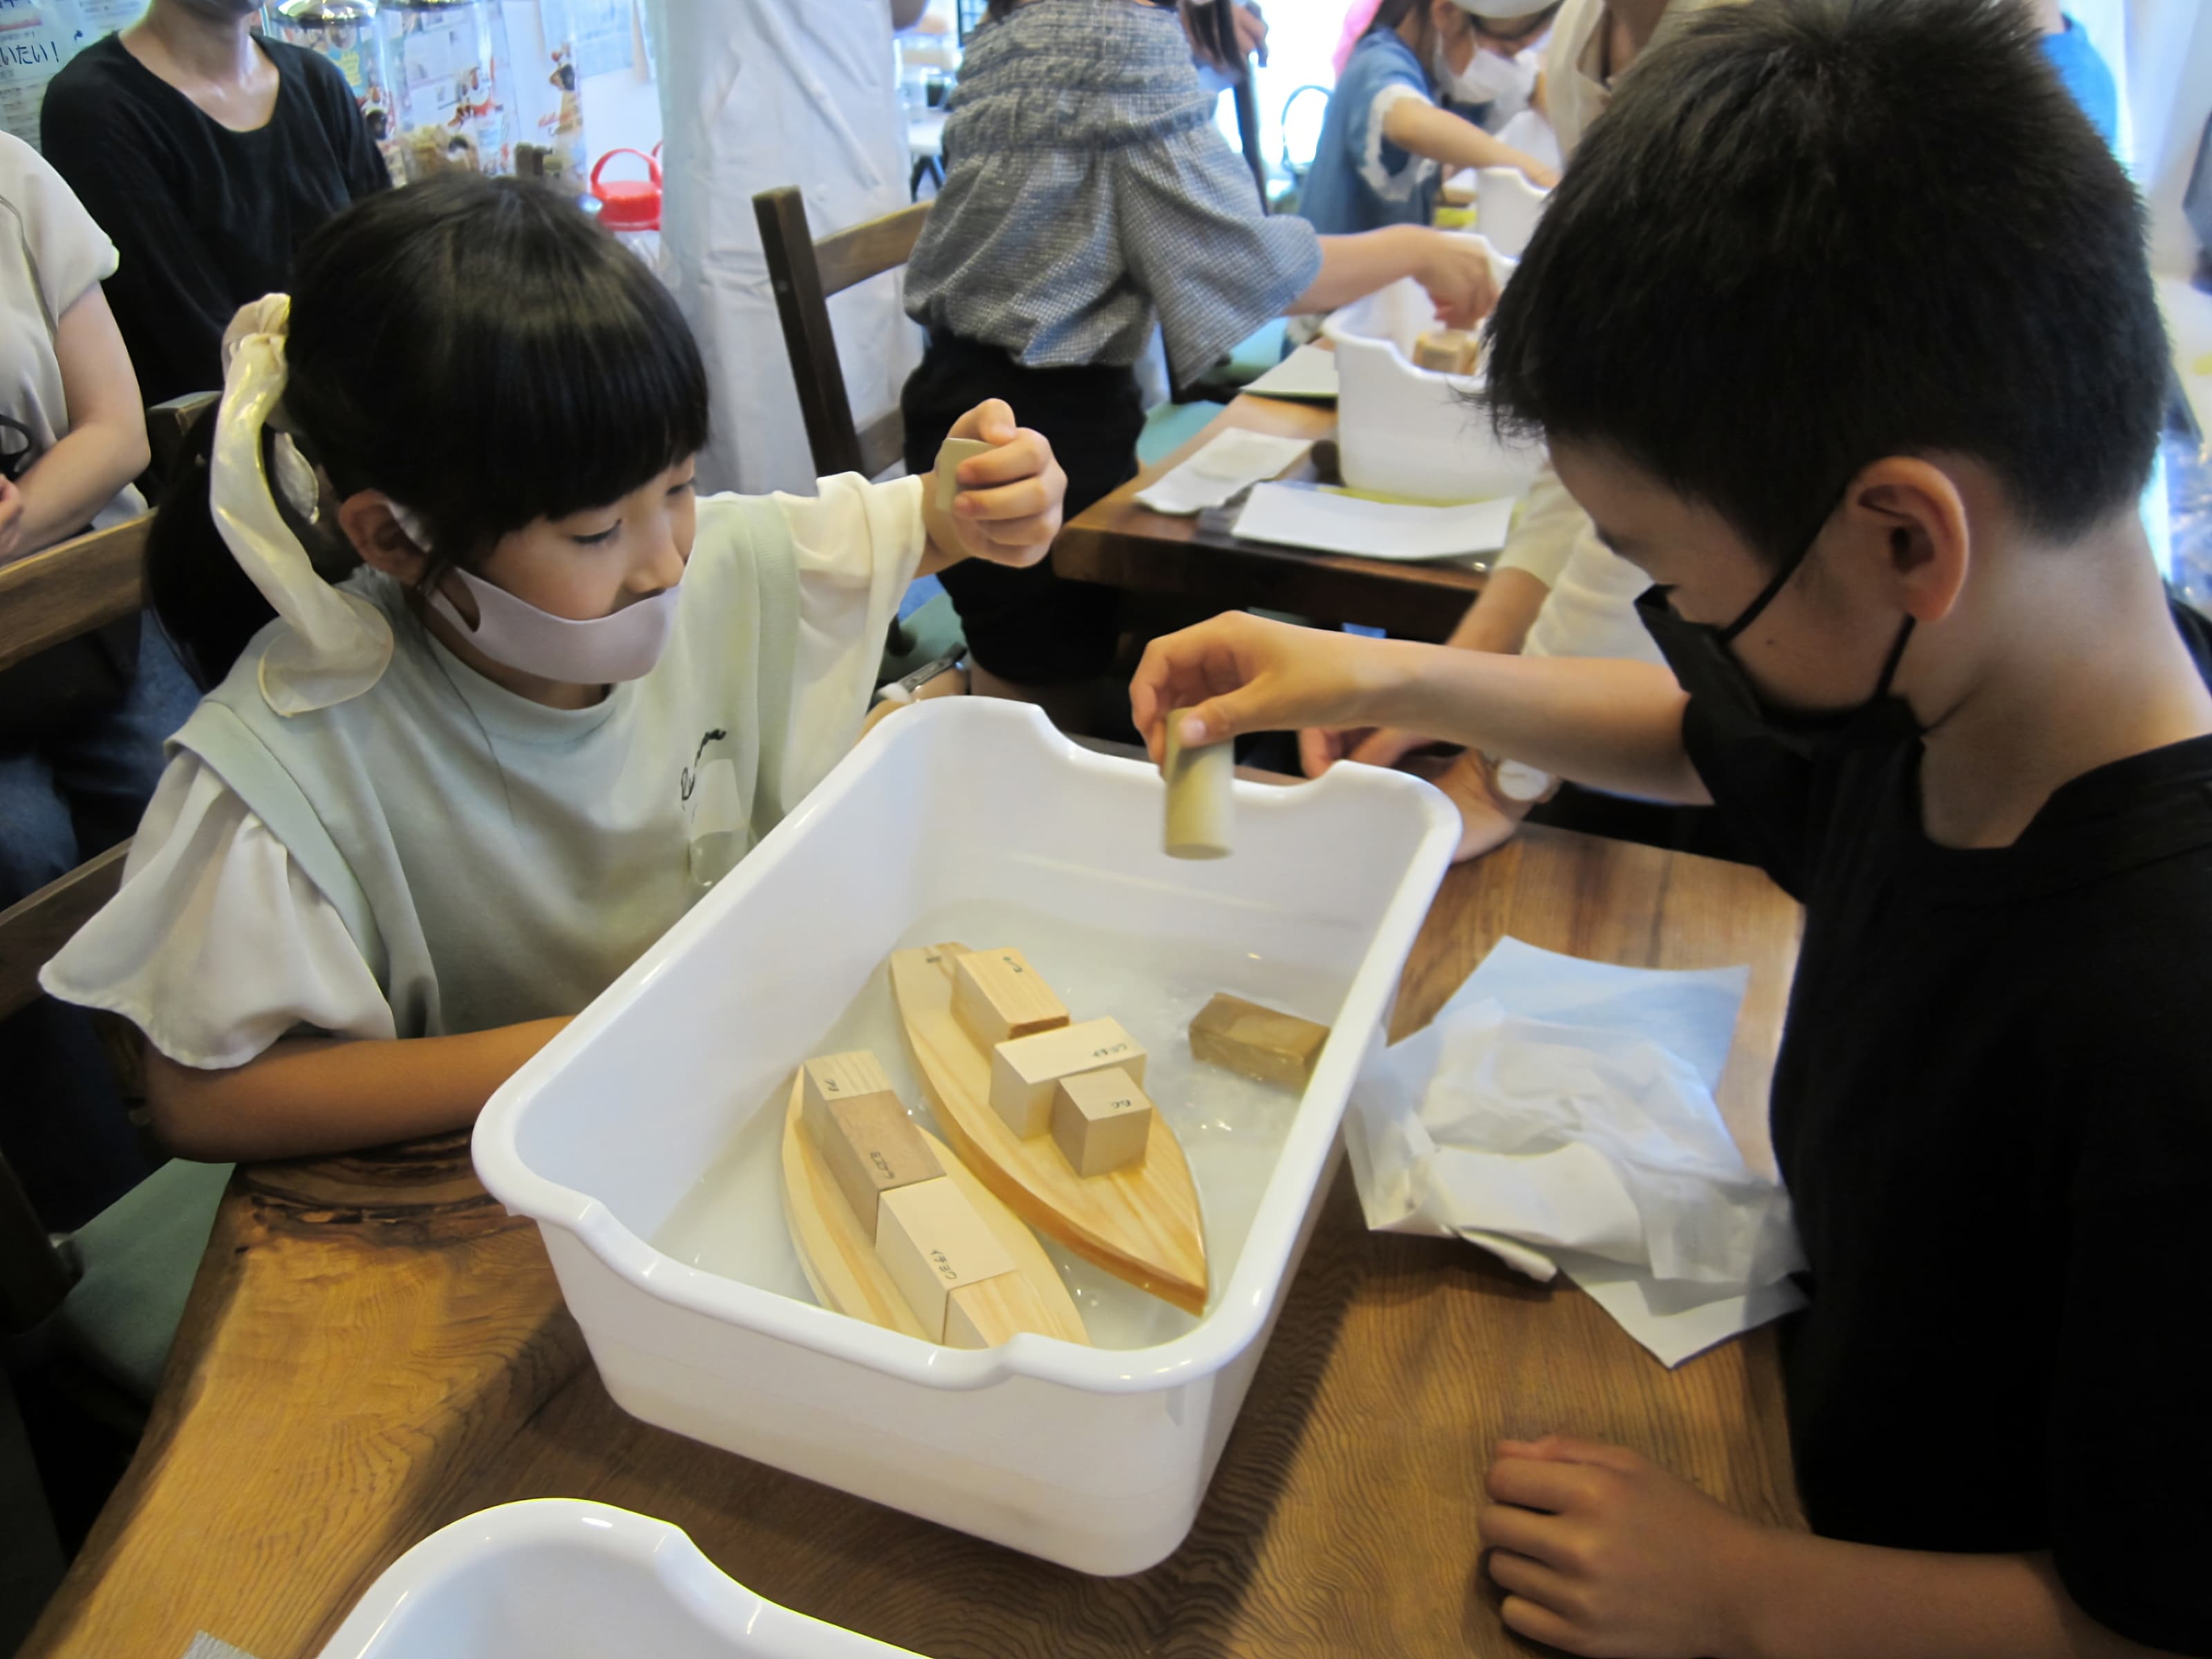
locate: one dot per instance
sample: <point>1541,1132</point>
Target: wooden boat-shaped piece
<point>1140,1224</point>
<point>841,1263</point>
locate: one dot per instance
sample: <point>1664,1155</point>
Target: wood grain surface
<point>71,588</point>
<point>1122,543</point>
<point>372,1351</point>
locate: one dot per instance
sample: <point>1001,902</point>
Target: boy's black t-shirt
<point>1993,1109</point>
<point>204,218</point>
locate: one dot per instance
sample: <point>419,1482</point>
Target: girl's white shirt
<point>218,943</point>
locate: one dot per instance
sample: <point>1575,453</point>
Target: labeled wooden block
<point>1202,796</point>
<point>996,997</point>
<point>950,454</point>
<point>870,1146</point>
<point>1100,1119</point>
<point>1257,1041</point>
<point>844,1077</point>
<point>984,1313</point>
<point>1024,1072</point>
<point>1447,352</point>
<point>931,1242</point>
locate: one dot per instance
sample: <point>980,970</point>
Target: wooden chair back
<point>805,273</point>
<point>45,599</point>
<point>166,425</point>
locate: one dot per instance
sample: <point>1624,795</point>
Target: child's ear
<point>366,519</point>
<point>1925,526</point>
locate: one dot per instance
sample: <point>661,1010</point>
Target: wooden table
<point>372,1349</point>
<point>1122,544</point>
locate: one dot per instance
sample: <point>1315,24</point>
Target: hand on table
<point>1239,674</point>
<point>1008,510</point>
<point>1487,819</point>
<point>1456,274</point>
<point>1602,1552</point>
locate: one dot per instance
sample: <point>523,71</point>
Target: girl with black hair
<point>428,812</point>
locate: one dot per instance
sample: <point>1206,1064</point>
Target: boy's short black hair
<point>1809,234</point>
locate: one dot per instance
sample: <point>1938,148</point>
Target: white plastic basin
<point>1401,430</point>
<point>559,1578</point>
<point>1507,207</point>
<point>1094,1458</point>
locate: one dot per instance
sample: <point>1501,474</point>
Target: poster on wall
<point>37,37</point>
<point>97,18</point>
<point>604,36</point>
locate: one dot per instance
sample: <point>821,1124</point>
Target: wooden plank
<point>33,929</point>
<point>802,305</point>
<point>883,443</point>
<point>355,1373</point>
<point>859,251</point>
<point>1121,544</point>
<point>71,588</point>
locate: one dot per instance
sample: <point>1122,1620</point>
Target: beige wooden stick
<point>1201,795</point>
<point>950,454</point>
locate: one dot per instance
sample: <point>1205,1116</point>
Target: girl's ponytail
<point>206,603</point>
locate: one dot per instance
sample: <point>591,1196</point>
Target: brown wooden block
<point>870,1146</point>
<point>1257,1041</point>
<point>1024,1072</point>
<point>996,997</point>
<point>1100,1119</point>
<point>984,1313</point>
<point>931,1242</point>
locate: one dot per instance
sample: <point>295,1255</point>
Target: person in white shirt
<point>427,813</point>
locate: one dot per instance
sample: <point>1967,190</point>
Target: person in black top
<point>207,154</point>
<point>1840,327</point>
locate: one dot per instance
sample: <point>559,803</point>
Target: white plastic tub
<point>1401,430</point>
<point>1093,1457</point>
<point>1507,207</point>
<point>559,1578</point>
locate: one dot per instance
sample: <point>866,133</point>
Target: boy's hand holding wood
<point>1007,508</point>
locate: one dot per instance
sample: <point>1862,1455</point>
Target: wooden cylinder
<point>1202,799</point>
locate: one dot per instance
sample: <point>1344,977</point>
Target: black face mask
<point>1700,655</point>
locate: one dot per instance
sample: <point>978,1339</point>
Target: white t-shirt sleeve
<point>1543,537</point>
<point>70,252</point>
<point>217,943</point>
<point>857,546</point>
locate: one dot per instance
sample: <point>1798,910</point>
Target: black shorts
<point>1031,626</point>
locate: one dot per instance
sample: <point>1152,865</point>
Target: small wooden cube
<point>996,997</point>
<point>1447,352</point>
<point>1024,1072</point>
<point>844,1077</point>
<point>984,1313</point>
<point>870,1146</point>
<point>1102,1121</point>
<point>931,1242</point>
<point>1257,1041</point>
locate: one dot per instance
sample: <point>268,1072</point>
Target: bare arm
<point>1426,130</point>
<point>313,1095</point>
<point>1454,270</point>
<point>106,447</point>
<point>1502,614</point>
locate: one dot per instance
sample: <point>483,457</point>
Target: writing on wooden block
<point>997,996</point>
<point>946,472</point>
<point>984,1313</point>
<point>1025,1071</point>
<point>844,1077</point>
<point>1100,1119</point>
<point>931,1242</point>
<point>1258,1042</point>
<point>871,1146</point>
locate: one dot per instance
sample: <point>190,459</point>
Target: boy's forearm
<point>1613,725</point>
<point>1815,1598</point>
<point>313,1095</point>
<point>1354,266</point>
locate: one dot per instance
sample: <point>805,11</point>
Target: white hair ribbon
<point>334,646</point>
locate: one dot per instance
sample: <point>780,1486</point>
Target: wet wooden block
<point>1025,1071</point>
<point>1257,1041</point>
<point>996,997</point>
<point>1102,1121</point>
<point>950,454</point>
<point>1447,352</point>
<point>870,1146</point>
<point>1202,796</point>
<point>931,1242</point>
<point>984,1313</point>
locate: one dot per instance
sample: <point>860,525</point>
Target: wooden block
<point>1202,796</point>
<point>870,1146</point>
<point>1447,352</point>
<point>1100,1119</point>
<point>1024,1072</point>
<point>845,1076</point>
<point>950,454</point>
<point>984,1313</point>
<point>931,1242</point>
<point>1257,1041</point>
<point>996,997</point>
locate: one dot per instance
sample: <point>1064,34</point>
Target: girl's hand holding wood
<point>1457,275</point>
<point>1008,510</point>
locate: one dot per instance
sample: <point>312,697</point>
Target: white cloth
<point>51,255</point>
<point>754,94</point>
<point>1417,170</point>
<point>218,943</point>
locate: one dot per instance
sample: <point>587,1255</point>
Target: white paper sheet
<point>1230,462</point>
<point>1337,523</point>
<point>1309,372</point>
<point>1559,1113</point>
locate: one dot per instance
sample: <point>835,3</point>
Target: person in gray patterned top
<point>1087,198</point>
